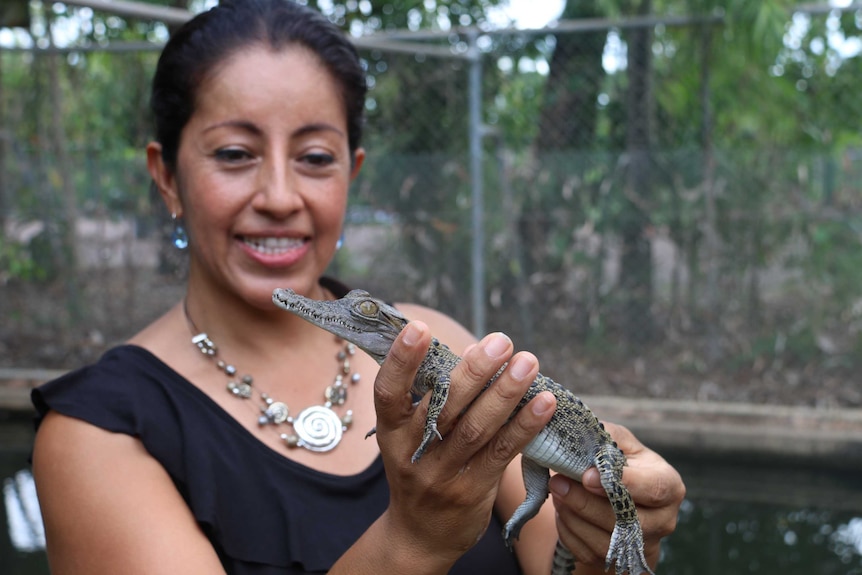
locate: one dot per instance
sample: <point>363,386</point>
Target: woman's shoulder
<point>164,334</point>
<point>443,327</point>
<point>109,393</point>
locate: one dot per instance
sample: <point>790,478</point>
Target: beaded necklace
<point>316,428</point>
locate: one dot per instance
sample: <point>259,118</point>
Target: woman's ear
<point>164,179</point>
<point>358,159</point>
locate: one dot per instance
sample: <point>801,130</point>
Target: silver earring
<point>179,237</point>
<point>340,242</point>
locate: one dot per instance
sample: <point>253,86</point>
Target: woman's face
<point>263,170</point>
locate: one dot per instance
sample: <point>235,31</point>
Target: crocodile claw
<point>430,432</point>
<point>511,533</point>
<point>626,552</point>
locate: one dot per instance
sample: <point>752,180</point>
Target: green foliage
<point>515,108</point>
<point>16,263</point>
<point>834,267</point>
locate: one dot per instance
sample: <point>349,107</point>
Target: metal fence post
<point>476,179</point>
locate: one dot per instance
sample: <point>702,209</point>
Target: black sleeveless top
<point>263,513</point>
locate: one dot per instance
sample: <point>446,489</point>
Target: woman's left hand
<point>585,519</point>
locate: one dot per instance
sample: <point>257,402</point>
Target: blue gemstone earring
<point>179,237</point>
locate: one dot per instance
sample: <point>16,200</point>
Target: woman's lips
<point>272,245</point>
<point>275,251</point>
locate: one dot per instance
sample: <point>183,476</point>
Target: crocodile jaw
<point>367,322</point>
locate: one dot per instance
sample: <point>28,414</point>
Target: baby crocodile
<point>573,441</point>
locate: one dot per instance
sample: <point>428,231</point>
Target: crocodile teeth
<point>272,245</point>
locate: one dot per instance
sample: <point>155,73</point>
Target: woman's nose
<point>278,190</point>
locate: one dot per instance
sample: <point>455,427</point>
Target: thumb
<point>592,481</point>
<point>392,399</point>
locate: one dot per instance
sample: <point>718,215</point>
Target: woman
<point>163,459</point>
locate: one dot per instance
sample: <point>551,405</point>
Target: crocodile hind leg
<point>626,551</point>
<point>439,395</point>
<point>536,479</point>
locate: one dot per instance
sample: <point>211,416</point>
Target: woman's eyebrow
<point>241,124</point>
<point>317,127</point>
<point>252,128</point>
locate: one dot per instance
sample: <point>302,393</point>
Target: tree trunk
<point>567,124</point>
<point>568,118</point>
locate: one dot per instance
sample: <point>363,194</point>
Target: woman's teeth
<point>272,245</point>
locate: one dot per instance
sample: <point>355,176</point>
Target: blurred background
<point>665,198</point>
<point>661,198</point>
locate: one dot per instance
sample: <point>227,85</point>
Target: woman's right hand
<point>441,505</point>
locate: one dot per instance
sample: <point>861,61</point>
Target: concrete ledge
<point>16,383</point>
<point>769,434</point>
<point>826,438</point>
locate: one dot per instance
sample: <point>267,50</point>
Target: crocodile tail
<point>564,561</point>
<point>626,552</point>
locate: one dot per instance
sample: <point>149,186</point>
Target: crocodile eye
<point>368,308</point>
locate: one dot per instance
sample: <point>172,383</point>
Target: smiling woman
<point>183,468</point>
<point>263,167</point>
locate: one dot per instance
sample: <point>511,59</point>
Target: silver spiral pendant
<point>318,428</point>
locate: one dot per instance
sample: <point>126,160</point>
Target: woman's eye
<point>231,155</point>
<point>319,160</point>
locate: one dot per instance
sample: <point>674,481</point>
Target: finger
<point>478,366</point>
<point>592,481</point>
<point>491,410</point>
<point>587,542</point>
<point>584,521</point>
<point>627,443</point>
<point>392,399</point>
<point>651,481</point>
<point>625,439</point>
<point>646,487</point>
<point>515,435</point>
<point>572,499</point>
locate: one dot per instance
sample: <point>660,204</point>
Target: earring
<point>179,237</point>
<point>340,242</point>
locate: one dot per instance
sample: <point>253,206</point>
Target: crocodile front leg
<point>440,382</point>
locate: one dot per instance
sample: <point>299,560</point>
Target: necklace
<point>316,428</point>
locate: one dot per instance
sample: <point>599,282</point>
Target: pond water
<point>773,520</point>
<point>739,518</point>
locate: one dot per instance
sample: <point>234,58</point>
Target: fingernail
<point>411,334</point>
<point>592,478</point>
<point>519,368</point>
<point>496,345</point>
<point>559,486</point>
<point>542,404</point>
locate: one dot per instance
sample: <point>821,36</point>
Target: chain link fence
<point>659,216</point>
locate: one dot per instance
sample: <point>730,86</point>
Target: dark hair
<point>208,39</point>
